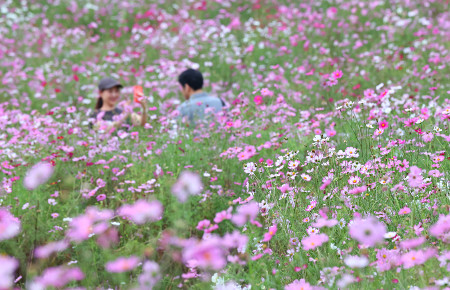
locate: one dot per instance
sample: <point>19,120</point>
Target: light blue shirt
<point>194,108</point>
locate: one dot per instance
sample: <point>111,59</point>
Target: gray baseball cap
<point>108,83</point>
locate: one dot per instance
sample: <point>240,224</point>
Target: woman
<point>106,109</point>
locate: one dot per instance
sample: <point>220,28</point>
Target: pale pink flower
<point>9,266</point>
<point>441,229</point>
<point>208,254</point>
<point>223,215</point>
<point>58,277</point>
<point>245,213</point>
<point>415,176</point>
<point>322,222</point>
<point>367,231</point>
<point>353,180</point>
<point>413,243</point>
<point>50,248</point>
<point>188,184</point>
<point>313,241</point>
<point>122,264</point>
<point>405,210</point>
<point>9,225</point>
<point>414,258</point>
<point>39,174</point>
<point>142,211</point>
<point>306,177</point>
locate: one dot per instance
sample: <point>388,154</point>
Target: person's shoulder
<point>117,111</point>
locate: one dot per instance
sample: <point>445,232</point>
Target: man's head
<point>191,81</point>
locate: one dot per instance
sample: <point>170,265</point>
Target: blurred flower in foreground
<point>188,183</point>
<point>37,175</point>
<point>122,264</point>
<point>142,211</point>
<point>9,225</point>
<point>9,266</point>
<point>367,231</point>
<point>56,277</point>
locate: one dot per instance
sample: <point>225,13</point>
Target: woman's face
<point>111,96</point>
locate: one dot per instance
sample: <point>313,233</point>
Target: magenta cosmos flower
<point>122,264</point>
<point>142,211</point>
<point>37,175</point>
<point>188,184</point>
<point>9,225</point>
<point>313,241</point>
<point>367,231</point>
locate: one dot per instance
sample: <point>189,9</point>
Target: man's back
<point>195,107</point>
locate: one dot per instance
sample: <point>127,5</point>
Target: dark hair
<point>99,103</point>
<point>192,77</point>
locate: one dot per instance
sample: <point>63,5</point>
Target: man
<point>197,101</point>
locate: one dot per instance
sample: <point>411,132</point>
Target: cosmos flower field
<point>329,169</point>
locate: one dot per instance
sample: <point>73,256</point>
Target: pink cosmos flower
<point>435,173</point>
<point>258,100</point>
<point>306,177</point>
<point>413,243</point>
<point>58,277</point>
<point>39,174</point>
<point>47,250</point>
<point>188,184</point>
<point>383,125</point>
<point>358,190</point>
<point>405,210</point>
<point>202,225</point>
<point>223,215</point>
<point>311,206</point>
<point>353,180</point>
<point>325,183</point>
<point>245,213</point>
<point>427,137</point>
<point>367,231</point>
<point>142,211</point>
<point>301,284</point>
<point>71,109</point>
<point>272,231</point>
<point>441,229</point>
<point>266,92</point>
<point>415,178</point>
<point>101,197</point>
<point>150,275</point>
<point>122,264</point>
<point>9,266</point>
<point>9,225</point>
<point>337,74</point>
<point>208,254</point>
<point>322,222</point>
<point>313,241</point>
<point>414,258</point>
<point>387,259</point>
<point>330,132</point>
<point>93,222</point>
